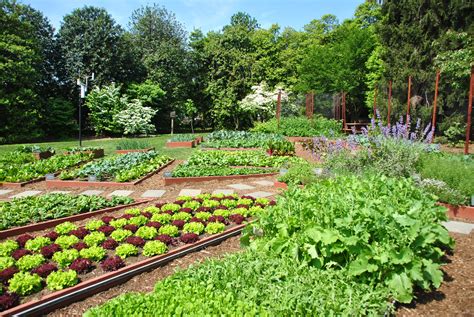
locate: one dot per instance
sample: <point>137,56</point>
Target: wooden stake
<point>435,102</point>
<point>278,109</point>
<point>389,101</point>
<point>375,102</point>
<point>469,112</point>
<point>409,97</point>
<point>344,123</point>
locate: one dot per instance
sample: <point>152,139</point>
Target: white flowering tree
<point>136,119</point>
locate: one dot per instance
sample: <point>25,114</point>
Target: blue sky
<point>210,14</point>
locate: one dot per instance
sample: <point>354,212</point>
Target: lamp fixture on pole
<point>82,83</point>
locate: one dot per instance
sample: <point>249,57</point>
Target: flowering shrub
<point>49,250</point>
<point>112,263</point>
<point>155,247</point>
<point>45,269</point>
<point>189,237</point>
<point>65,228</point>
<point>24,283</point>
<point>37,243</point>
<point>61,279</point>
<point>81,265</point>
<point>125,250</point>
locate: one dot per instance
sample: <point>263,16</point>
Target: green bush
<point>125,250</point>
<point>61,279</point>
<point>24,283</point>
<point>152,248</point>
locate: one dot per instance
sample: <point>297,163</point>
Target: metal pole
<point>469,112</point>
<point>312,104</point>
<point>435,102</point>
<point>375,102</point>
<point>80,120</point>
<point>278,110</point>
<point>409,97</point>
<point>389,101</point>
<point>344,110</point>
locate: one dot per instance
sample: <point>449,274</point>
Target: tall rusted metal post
<point>389,101</point>
<point>409,97</point>
<point>344,123</point>
<point>435,102</point>
<point>312,105</point>
<point>307,106</point>
<point>375,102</point>
<point>278,109</point>
<point>469,112</point>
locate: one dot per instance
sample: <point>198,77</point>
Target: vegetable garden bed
<point>146,237</point>
<point>96,153</point>
<point>134,150</point>
<point>186,144</point>
<point>466,212</point>
<point>181,180</point>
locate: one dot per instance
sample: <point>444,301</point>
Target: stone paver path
<point>121,193</point>
<point>5,191</point>
<point>189,192</point>
<point>223,191</point>
<point>91,192</point>
<point>260,194</point>
<point>263,183</point>
<point>459,227</point>
<point>240,186</point>
<point>153,193</point>
<point>26,193</point>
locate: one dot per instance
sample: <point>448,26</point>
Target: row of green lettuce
<point>346,245</point>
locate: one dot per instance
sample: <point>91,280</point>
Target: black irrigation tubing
<point>55,303</point>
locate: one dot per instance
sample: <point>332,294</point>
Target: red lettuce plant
<point>248,197</point>
<point>194,219</point>
<point>189,237</point>
<point>7,274</point>
<point>80,245</point>
<point>154,224</point>
<point>17,254</point>
<point>159,205</point>
<point>199,200</point>
<point>107,230</point>
<point>132,228</point>
<point>179,202</point>
<point>136,241</point>
<point>204,209</point>
<point>81,265</point>
<point>217,219</point>
<point>272,203</point>
<point>109,244</point>
<point>80,232</point>
<point>112,263</point>
<point>188,210</point>
<point>127,216</point>
<point>8,300</point>
<point>53,235</point>
<point>23,239</point>
<point>222,207</point>
<point>178,223</point>
<point>166,239</point>
<point>242,206</point>
<point>107,219</point>
<point>237,218</point>
<point>45,269</point>
<point>147,214</point>
<point>169,212</point>
<point>49,250</point>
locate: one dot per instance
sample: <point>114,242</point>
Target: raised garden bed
<point>135,150</point>
<point>231,149</point>
<point>96,153</point>
<point>239,139</point>
<point>43,155</point>
<point>180,180</point>
<point>185,144</point>
<point>298,139</point>
<point>282,185</point>
<point>57,183</point>
<point>111,249</point>
<point>465,212</point>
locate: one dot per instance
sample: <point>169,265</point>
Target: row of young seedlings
<point>61,257</point>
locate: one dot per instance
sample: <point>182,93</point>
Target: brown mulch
<point>455,297</point>
<point>145,282</point>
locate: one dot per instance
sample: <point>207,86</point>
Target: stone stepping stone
<point>5,191</point>
<point>240,186</point>
<point>91,192</point>
<point>60,192</point>
<point>260,194</point>
<point>263,183</point>
<point>123,193</point>
<point>458,226</point>
<point>223,191</point>
<point>153,193</point>
<point>27,193</point>
<point>189,192</point>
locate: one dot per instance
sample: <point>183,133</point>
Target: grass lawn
<point>109,145</point>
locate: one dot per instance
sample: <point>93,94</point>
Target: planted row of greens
<point>21,167</point>
<point>119,168</point>
<point>61,257</point>
<point>341,246</point>
<point>239,139</point>
<point>301,126</point>
<point>183,138</point>
<point>22,211</point>
<point>226,163</point>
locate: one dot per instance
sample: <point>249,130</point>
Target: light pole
<point>82,95</point>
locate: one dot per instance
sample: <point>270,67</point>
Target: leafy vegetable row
<point>203,170</point>
<point>59,257</point>
<point>119,168</point>
<point>21,167</point>
<point>239,139</point>
<point>22,211</point>
<point>238,158</point>
<point>301,126</point>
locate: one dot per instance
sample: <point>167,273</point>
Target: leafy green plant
<point>281,148</point>
<point>214,227</point>
<point>65,228</point>
<point>170,230</point>
<point>183,138</point>
<point>125,250</point>
<point>183,170</point>
<point>146,233</point>
<point>6,261</point>
<point>94,224</point>
<point>203,215</point>
<point>222,212</point>
<point>133,211</point>
<point>94,253</point>
<point>239,139</point>
<point>138,220</point>
<point>132,144</point>
<point>24,283</point>
<point>37,243</point>
<point>66,257</point>
<point>161,218</point>
<point>155,247</point>
<point>182,216</point>
<point>61,279</point>
<point>301,126</point>
<point>121,234</point>
<point>299,174</point>
<point>94,238</point>
<point>170,206</point>
<point>118,223</point>
<point>194,227</point>
<point>7,247</point>
<point>65,242</point>
<point>30,261</point>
